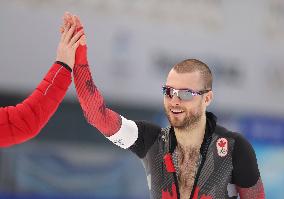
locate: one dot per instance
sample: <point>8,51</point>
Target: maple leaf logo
<point>222,147</point>
<point>222,143</point>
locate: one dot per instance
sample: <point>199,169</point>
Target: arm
<point>123,132</point>
<point>116,128</point>
<point>138,136</point>
<point>95,111</point>
<point>24,121</point>
<point>246,174</point>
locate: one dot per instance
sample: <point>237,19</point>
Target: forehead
<point>184,80</point>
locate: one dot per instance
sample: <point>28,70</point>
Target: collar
<point>211,120</point>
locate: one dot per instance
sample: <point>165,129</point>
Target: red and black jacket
<point>227,167</point>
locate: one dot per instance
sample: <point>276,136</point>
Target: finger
<point>65,18</point>
<point>83,40</point>
<point>61,29</point>
<point>75,46</point>
<point>73,18</point>
<point>66,14</point>
<point>68,18</point>
<point>69,34</point>
<point>74,22</point>
<point>78,22</point>
<point>66,29</point>
<point>76,37</point>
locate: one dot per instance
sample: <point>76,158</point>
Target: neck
<point>192,136</point>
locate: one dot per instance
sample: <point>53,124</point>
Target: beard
<point>189,121</point>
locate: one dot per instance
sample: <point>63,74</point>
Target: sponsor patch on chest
<point>222,147</point>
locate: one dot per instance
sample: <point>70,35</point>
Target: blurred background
<point>132,45</point>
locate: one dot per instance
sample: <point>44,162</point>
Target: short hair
<point>193,65</point>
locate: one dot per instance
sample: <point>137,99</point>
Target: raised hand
<point>91,100</point>
<point>69,42</point>
<point>73,20</point>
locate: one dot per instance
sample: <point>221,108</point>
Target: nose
<point>175,100</point>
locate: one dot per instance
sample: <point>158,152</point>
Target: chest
<point>193,175</point>
<point>186,164</point>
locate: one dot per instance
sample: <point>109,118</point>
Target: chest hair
<point>187,163</point>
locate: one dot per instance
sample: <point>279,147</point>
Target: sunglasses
<point>182,94</point>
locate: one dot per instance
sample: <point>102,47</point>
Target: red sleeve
<point>24,121</point>
<point>246,175</point>
<point>254,192</point>
<point>95,111</point>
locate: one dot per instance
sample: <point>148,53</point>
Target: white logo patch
<point>119,142</point>
<point>222,147</point>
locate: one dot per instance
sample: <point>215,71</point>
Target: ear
<point>208,98</point>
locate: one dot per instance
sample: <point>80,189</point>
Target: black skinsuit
<point>220,173</point>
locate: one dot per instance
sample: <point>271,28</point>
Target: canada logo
<point>222,147</point>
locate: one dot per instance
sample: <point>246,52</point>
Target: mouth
<point>176,111</point>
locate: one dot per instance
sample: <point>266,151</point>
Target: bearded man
<point>192,158</point>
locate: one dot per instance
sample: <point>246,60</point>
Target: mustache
<point>180,107</point>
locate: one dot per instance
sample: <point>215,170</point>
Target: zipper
<point>174,173</point>
<point>204,153</point>
<point>176,182</point>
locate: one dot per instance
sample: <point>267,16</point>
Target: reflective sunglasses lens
<point>185,95</point>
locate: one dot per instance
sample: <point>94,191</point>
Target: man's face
<point>184,114</point>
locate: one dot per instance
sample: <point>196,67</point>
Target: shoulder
<point>237,137</point>
<point>241,146</point>
<point>147,135</point>
<point>245,167</point>
<point>148,127</point>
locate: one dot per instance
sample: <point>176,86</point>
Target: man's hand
<point>73,20</point>
<point>68,44</point>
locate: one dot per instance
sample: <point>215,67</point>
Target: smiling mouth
<point>176,111</point>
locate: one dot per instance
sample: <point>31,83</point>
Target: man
<point>25,120</point>
<point>194,157</point>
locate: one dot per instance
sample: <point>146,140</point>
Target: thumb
<point>83,40</point>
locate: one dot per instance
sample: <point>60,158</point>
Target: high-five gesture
<point>183,160</point>
<point>25,120</point>
<point>68,44</point>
